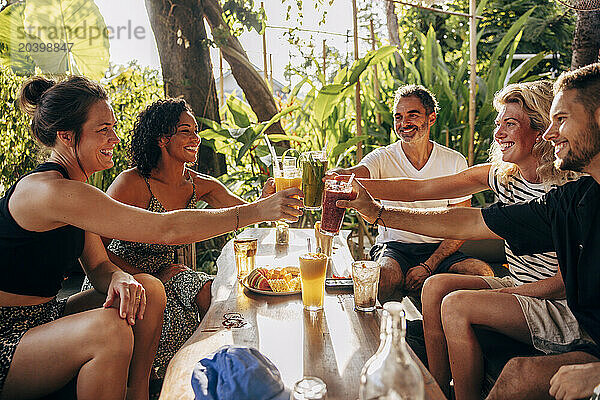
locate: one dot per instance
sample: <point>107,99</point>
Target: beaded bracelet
<point>378,219</point>
<point>237,219</point>
<point>427,267</point>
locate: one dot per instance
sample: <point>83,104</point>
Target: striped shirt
<point>526,268</point>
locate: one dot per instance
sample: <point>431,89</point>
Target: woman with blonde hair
<point>521,169</point>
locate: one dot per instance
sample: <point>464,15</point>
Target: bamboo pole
<point>264,49</point>
<point>375,77</point>
<point>324,62</point>
<point>222,96</point>
<point>472,78</point>
<point>271,70</point>
<point>359,149</point>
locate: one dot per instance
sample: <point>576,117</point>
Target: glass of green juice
<point>314,166</point>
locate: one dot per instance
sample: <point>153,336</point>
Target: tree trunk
<point>180,35</point>
<point>392,27</point>
<point>586,41</point>
<point>255,88</point>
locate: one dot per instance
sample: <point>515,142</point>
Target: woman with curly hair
<point>164,140</point>
<point>522,168</point>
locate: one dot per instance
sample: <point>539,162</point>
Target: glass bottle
<point>391,373</point>
<point>309,388</point>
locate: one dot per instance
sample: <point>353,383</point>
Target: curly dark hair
<point>158,120</point>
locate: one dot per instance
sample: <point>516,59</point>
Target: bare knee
<point>455,309</point>
<point>390,278</point>
<point>517,381</point>
<point>106,331</point>
<point>472,266</point>
<point>435,288</point>
<point>156,299</point>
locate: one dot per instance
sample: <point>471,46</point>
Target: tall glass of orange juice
<point>287,174</point>
<point>312,273</point>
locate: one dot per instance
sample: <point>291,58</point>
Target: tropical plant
<point>54,36</point>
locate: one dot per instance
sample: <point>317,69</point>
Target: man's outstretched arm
<point>454,223</point>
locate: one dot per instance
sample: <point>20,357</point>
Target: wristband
<point>237,219</point>
<point>427,267</point>
<point>379,219</point>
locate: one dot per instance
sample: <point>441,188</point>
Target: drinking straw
<point>381,254</point>
<point>271,150</point>
<point>350,180</point>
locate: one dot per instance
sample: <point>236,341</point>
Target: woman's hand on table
<point>268,189</point>
<point>128,295</point>
<point>168,272</point>
<point>363,203</point>
<point>281,205</point>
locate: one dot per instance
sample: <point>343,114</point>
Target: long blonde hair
<point>535,98</point>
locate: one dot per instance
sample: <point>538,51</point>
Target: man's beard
<point>420,131</point>
<point>578,157</point>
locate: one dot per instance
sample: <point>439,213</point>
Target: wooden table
<point>332,344</point>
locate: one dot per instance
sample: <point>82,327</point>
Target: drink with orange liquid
<point>312,273</point>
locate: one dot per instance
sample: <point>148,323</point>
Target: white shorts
<point>553,326</point>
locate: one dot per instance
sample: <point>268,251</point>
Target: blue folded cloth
<point>237,373</point>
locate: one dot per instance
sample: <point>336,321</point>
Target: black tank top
<point>33,263</point>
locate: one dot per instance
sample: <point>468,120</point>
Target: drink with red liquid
<point>332,216</point>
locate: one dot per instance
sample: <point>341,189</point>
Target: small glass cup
<point>309,388</point>
<point>282,233</point>
<point>324,242</point>
<point>365,276</point>
<point>314,166</point>
<point>332,215</point>
<point>245,255</point>
<point>313,267</point>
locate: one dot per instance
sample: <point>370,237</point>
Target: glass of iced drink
<point>314,165</point>
<point>332,215</point>
<point>245,255</point>
<point>287,174</point>
<point>312,273</point>
<point>365,275</point>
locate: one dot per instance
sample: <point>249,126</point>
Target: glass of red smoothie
<point>332,215</point>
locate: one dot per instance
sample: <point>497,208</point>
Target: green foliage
<point>549,28</point>
<point>18,152</point>
<point>240,15</point>
<point>56,36</point>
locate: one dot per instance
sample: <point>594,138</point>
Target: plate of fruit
<point>274,281</point>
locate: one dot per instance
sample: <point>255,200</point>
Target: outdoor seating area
<point>286,200</point>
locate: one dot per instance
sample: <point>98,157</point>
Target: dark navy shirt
<point>565,219</point>
<point>33,263</point>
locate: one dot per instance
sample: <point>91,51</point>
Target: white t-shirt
<point>391,162</point>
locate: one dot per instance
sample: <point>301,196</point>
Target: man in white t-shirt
<point>410,258</point>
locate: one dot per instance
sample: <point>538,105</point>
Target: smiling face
<point>514,134</point>
<point>183,145</point>
<point>574,132</point>
<point>97,139</point>
<point>411,122</point>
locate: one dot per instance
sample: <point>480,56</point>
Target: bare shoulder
<point>37,197</point>
<point>129,187</point>
<point>199,177</point>
<point>204,183</point>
